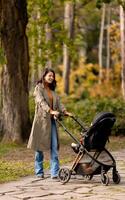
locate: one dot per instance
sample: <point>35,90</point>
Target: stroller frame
<point>65,173</point>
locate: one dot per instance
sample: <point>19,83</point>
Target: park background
<point>84,42</point>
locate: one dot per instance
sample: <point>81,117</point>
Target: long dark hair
<point>52,86</point>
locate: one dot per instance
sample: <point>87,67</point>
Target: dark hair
<point>52,86</point>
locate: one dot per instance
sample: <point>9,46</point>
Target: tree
<point>45,35</point>
<point>69,27</point>
<point>122,29</point>
<point>15,113</point>
<point>101,42</point>
<point>108,42</point>
<point>53,34</point>
<point>48,32</point>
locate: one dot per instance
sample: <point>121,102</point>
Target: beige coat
<point>40,136</point>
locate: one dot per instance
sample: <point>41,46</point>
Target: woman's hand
<point>54,112</point>
<point>68,114</point>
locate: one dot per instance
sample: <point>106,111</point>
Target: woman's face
<point>49,77</point>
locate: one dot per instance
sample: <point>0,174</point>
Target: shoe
<point>41,176</point>
<point>54,177</point>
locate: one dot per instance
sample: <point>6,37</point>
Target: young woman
<point>44,134</point>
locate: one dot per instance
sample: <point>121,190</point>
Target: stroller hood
<point>99,131</point>
<point>103,116</point>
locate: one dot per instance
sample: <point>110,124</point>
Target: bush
<point>86,109</point>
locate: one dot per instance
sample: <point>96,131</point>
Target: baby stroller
<point>92,157</point>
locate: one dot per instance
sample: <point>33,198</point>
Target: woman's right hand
<point>54,112</point>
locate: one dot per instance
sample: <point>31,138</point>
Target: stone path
<point>78,188</point>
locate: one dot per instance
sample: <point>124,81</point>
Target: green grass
<point>13,170</point>
<point>10,171</point>
<point>17,161</point>
<point>4,148</point>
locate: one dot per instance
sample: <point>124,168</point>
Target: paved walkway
<point>78,188</point>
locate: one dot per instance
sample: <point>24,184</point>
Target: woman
<point>44,133</point>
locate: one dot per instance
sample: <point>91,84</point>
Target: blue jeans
<point>54,161</point>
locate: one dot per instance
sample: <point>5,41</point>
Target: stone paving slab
<point>78,187</point>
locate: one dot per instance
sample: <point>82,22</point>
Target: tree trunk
<point>48,34</point>
<point>101,43</point>
<point>32,78</point>
<point>69,26</point>
<point>108,42</point>
<point>15,112</point>
<point>122,29</point>
<point>39,45</point>
<point>66,72</point>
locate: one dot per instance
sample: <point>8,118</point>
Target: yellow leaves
<point>59,80</point>
<point>115,41</point>
<point>104,90</point>
<point>82,77</point>
<point>84,80</point>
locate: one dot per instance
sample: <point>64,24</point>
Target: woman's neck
<point>46,85</point>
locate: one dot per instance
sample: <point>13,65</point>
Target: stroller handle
<point>65,129</point>
<point>78,122</point>
<point>58,119</point>
<point>73,117</point>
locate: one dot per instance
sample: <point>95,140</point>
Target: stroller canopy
<point>99,131</point>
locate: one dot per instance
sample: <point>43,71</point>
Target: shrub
<point>86,109</point>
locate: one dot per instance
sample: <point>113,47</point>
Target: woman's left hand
<point>68,114</point>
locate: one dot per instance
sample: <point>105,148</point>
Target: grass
<point>12,165</point>
<point>17,161</point>
<point>5,148</point>
<point>13,170</point>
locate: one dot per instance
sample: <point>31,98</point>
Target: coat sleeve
<point>40,100</point>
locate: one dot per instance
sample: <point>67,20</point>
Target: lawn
<point>17,161</point>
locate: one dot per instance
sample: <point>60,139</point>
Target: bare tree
<point>69,26</point>
<point>108,42</point>
<point>122,29</point>
<point>101,42</point>
<point>48,33</point>
<point>15,114</point>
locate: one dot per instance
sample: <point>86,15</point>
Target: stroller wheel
<point>116,177</point>
<point>104,179</point>
<point>89,177</point>
<point>64,175</point>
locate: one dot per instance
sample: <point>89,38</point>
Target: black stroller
<point>92,157</point>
